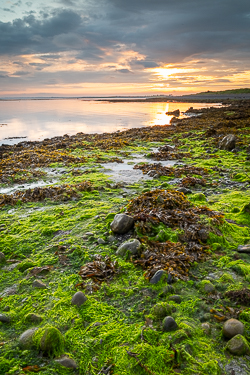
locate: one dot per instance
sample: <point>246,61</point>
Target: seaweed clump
<point>170,171</point>
<point>37,194</point>
<point>240,296</point>
<point>171,208</point>
<point>99,270</point>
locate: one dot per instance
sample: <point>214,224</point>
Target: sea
<point>37,119</point>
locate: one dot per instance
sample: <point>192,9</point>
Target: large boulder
<point>232,327</point>
<point>131,247</point>
<point>122,223</point>
<point>228,142</point>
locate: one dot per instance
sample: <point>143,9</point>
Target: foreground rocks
<point>130,247</point>
<point>238,345</point>
<point>232,327</point>
<point>122,223</point>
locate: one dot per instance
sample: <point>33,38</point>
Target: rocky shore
<point>128,252</point>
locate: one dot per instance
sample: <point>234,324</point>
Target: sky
<point>123,47</point>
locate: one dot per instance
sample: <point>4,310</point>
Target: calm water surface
<point>39,119</point>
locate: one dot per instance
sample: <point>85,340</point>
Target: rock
<point>26,338</point>
<point>167,289</point>
<point>2,257</point>
<point>78,299</point>
<point>33,318</point>
<point>232,327</point>
<point>4,318</point>
<point>51,341</point>
<point>160,310</point>
<point>10,291</point>
<point>243,249</point>
<point>111,239</point>
<point>157,276</point>
<point>209,288</point>
<point>238,345</point>
<point>169,324</point>
<point>167,148</point>
<point>131,246</point>
<point>67,362</point>
<point>174,113</point>
<point>101,241</point>
<point>206,328</point>
<point>39,284</point>
<point>176,298</point>
<point>122,223</point>
<point>6,308</point>
<point>89,234</point>
<point>184,190</point>
<point>228,142</point>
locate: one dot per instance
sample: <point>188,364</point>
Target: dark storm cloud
<point>164,31</point>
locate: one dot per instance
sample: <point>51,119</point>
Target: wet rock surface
<point>122,223</point>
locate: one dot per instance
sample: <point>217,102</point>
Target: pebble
<point>131,246</point>
<point>206,327</point>
<point>78,299</point>
<point>176,298</point>
<point>39,284</point>
<point>157,276</point>
<point>111,238</point>
<point>169,324</point>
<point>67,362</point>
<point>4,318</point>
<point>2,257</point>
<point>33,318</point>
<point>238,345</point>
<point>122,223</point>
<point>232,327</point>
<point>101,241</point>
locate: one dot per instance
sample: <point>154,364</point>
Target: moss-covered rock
<point>50,340</point>
<point>160,310</point>
<point>238,345</point>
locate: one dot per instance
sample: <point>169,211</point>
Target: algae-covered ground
<point>58,198</point>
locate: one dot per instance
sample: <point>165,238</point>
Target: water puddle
<point>125,173</point>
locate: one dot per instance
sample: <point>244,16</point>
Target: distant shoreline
<point>193,98</point>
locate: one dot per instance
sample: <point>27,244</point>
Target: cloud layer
<point>128,42</point>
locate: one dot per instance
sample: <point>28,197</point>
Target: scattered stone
<point>169,324</point>
<point>31,317</point>
<point>209,288</point>
<point>2,257</point>
<point>67,362</point>
<point>78,299</point>
<point>101,241</point>
<point>238,345</point>
<point>157,276</point>
<point>184,190</point>
<point>228,142</point>
<point>26,338</point>
<point>131,246</point>
<point>4,318</point>
<point>160,310</point>
<point>39,284</point>
<point>111,238</point>
<point>243,249</point>
<point>206,328</point>
<point>89,234</point>
<point>176,298</point>
<point>10,291</point>
<point>232,327</point>
<point>122,223</point>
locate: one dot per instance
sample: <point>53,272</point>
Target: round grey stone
<point>238,345</point>
<point>206,327</point>
<point>67,362</point>
<point>101,241</point>
<point>39,284</point>
<point>78,299</point>
<point>122,223</point>
<point>25,340</point>
<point>4,318</point>
<point>169,324</point>
<point>232,327</point>
<point>131,246</point>
<point>111,238</point>
<point>157,276</point>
